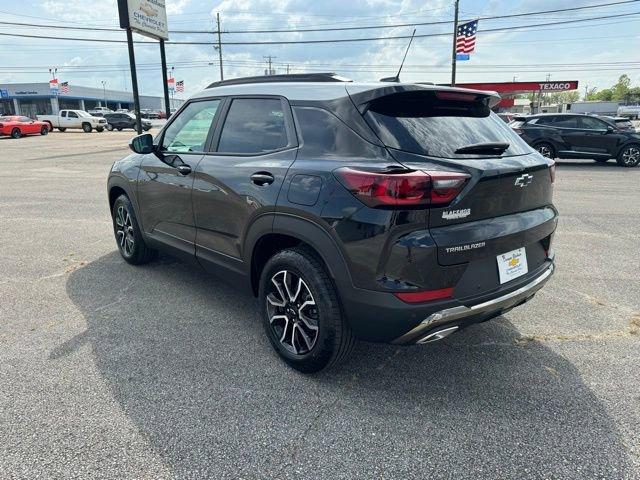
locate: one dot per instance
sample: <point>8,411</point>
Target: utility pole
<point>455,39</point>
<point>269,60</point>
<point>586,91</point>
<point>165,85</point>
<point>287,69</point>
<point>104,91</point>
<point>219,46</point>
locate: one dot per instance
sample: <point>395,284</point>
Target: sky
<point>595,53</point>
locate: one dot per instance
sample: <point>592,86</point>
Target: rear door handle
<point>262,178</point>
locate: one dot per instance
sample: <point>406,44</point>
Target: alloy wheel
<point>545,151</point>
<point>124,231</point>
<point>293,314</point>
<point>631,156</point>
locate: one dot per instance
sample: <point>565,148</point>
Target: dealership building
<point>31,99</point>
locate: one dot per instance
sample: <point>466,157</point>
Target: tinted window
<point>188,132</point>
<point>323,134</point>
<point>254,125</point>
<point>422,122</point>
<point>72,115</point>
<point>64,113</point>
<point>591,123</point>
<point>545,120</point>
<point>566,122</point>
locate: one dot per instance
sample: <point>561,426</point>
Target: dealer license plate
<point>512,264</point>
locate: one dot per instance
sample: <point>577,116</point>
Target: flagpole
<point>453,51</point>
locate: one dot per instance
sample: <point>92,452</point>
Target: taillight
<point>412,188</point>
<point>456,96</point>
<point>425,296</point>
<point>552,171</point>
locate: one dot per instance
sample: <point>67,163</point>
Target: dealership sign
<point>53,86</point>
<point>146,17</point>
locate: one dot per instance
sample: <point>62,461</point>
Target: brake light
<point>412,188</point>
<point>552,171</point>
<point>425,296</point>
<point>459,96</point>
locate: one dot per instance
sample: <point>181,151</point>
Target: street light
<point>53,72</point>
<point>104,91</point>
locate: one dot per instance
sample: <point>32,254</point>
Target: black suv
<point>565,135</point>
<point>124,120</point>
<point>386,212</point>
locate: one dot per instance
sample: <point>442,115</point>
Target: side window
<point>566,122</point>
<point>188,131</point>
<point>253,125</point>
<point>545,120</point>
<point>72,115</point>
<point>24,119</point>
<point>64,114</point>
<point>323,134</point>
<point>590,123</point>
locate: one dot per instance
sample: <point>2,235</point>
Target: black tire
<point>16,133</point>
<point>99,129</point>
<point>333,340</point>
<point>131,245</point>
<point>109,127</point>
<point>86,127</point>
<point>50,125</point>
<point>629,156</point>
<point>146,129</point>
<point>62,129</point>
<point>119,129</point>
<point>546,150</point>
<point>44,130</point>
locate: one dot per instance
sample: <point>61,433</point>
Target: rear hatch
<point>506,201</point>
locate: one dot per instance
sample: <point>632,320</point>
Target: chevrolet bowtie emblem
<point>523,180</point>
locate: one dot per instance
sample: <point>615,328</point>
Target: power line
<point>333,29</point>
<point>338,40</point>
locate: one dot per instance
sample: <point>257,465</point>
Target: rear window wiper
<point>491,148</point>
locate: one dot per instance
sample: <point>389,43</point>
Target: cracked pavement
<point>161,371</point>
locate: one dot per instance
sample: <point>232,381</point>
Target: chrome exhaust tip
<point>438,335</point>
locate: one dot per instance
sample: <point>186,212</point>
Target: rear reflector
<point>425,296</point>
<point>404,188</point>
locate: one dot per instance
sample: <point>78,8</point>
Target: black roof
<point>293,77</point>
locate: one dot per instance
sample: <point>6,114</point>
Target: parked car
<point>74,119</point>
<point>16,126</point>
<point>148,113</point>
<point>506,116</point>
<point>99,111</point>
<point>124,120</point>
<point>623,123</point>
<point>372,218</point>
<point>565,135</point>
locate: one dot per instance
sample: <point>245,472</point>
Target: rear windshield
<point>420,122</point>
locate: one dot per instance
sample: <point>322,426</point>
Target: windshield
<point>420,122</point>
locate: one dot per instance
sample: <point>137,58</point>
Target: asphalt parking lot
<point>154,372</point>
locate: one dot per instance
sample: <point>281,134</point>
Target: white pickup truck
<point>74,119</point>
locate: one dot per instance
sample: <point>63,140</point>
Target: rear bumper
<point>459,316</point>
<point>382,317</point>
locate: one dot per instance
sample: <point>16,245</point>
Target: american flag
<point>466,39</point>
<point>64,87</point>
<point>180,86</point>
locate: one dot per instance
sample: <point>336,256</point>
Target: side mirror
<point>610,129</point>
<point>142,144</point>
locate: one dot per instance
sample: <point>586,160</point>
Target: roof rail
<point>293,77</point>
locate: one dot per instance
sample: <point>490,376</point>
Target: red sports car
<point>17,126</point>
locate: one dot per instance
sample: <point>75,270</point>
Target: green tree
<point>620,90</point>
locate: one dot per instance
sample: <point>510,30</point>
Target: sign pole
<point>134,81</point>
<point>163,60</point>
<point>455,40</point>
